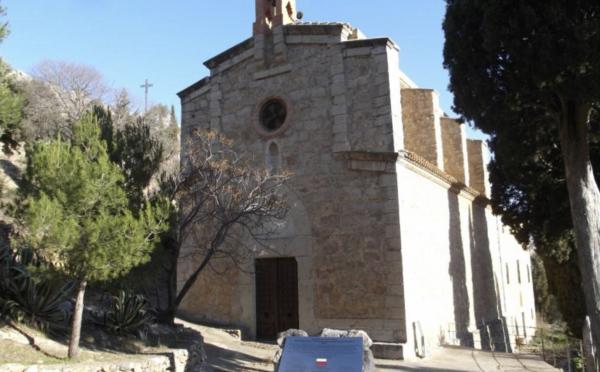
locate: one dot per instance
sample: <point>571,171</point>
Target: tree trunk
<point>584,199</point>
<point>76,323</point>
<point>589,359</point>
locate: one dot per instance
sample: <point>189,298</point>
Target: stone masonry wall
<point>345,235</point>
<point>148,364</point>
<point>354,197</point>
<point>213,298</point>
<point>422,133</point>
<point>367,91</point>
<point>455,149</point>
<point>478,174</point>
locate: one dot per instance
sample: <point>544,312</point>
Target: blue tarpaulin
<point>322,354</point>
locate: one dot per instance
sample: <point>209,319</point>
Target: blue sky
<point>167,41</point>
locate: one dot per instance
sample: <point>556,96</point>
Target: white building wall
<point>436,244</point>
<point>518,297</point>
<point>455,253</point>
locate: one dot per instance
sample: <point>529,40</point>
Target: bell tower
<point>273,13</point>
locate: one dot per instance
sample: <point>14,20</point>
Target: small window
<point>528,274</point>
<point>273,114</point>
<point>273,159</point>
<point>518,272</point>
<point>507,275</point>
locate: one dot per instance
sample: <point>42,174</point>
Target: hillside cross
<point>146,86</point>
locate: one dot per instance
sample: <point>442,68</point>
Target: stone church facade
<point>389,229</point>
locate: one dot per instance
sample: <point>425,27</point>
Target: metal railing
<point>554,346</point>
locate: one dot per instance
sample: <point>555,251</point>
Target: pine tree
<point>76,214</point>
<point>11,101</point>
<point>173,119</point>
<point>3,26</point>
<point>11,110</point>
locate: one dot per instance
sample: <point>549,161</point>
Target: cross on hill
<point>146,86</point>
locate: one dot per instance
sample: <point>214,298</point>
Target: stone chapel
<point>390,230</point>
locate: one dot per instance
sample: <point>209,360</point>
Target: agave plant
<point>8,273</point>
<point>41,302</point>
<point>23,298</point>
<point>128,314</point>
<point>8,309</point>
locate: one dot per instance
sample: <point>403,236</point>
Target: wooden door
<point>287,294</point>
<point>276,296</point>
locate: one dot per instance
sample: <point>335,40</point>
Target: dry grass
<point>13,352</point>
<point>46,351</point>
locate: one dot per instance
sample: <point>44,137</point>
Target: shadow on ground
<point>415,369</point>
<point>12,171</point>
<point>221,359</point>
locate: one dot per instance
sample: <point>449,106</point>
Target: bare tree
<point>63,90</point>
<point>223,202</point>
<point>43,117</point>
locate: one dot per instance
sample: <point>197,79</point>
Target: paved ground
<point>458,359</point>
<point>227,353</point>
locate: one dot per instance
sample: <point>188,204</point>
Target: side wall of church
<point>516,287</point>
<point>437,256</point>
<point>455,253</point>
<point>343,226</point>
<point>454,249</point>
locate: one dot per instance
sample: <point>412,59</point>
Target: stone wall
<point>455,149</point>
<point>421,118</point>
<point>147,364</point>
<point>345,210</point>
<point>368,84</point>
<point>214,296</point>
<point>387,241</point>
<point>478,173</point>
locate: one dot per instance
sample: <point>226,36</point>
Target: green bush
<point>128,314</point>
